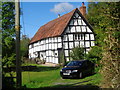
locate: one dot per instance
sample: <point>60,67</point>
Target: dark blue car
<point>77,69</point>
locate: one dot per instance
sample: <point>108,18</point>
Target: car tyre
<point>63,77</point>
<point>80,75</point>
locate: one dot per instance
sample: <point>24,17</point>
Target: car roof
<point>79,60</point>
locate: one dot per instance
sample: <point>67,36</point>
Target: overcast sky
<point>36,14</point>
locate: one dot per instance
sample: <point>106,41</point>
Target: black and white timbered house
<point>61,35</point>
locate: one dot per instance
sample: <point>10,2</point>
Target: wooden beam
<point>18,60</point>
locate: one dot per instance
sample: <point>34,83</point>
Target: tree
<point>95,54</point>
<point>8,33</point>
<point>105,20</point>
<point>24,46</point>
<point>77,53</point>
<point>8,41</point>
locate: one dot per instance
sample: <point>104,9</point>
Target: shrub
<point>77,53</point>
<point>95,55</point>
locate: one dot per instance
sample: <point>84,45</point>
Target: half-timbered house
<point>61,35</point>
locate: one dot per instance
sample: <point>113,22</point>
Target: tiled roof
<point>53,28</point>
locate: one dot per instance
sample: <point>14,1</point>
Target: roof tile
<point>53,28</point>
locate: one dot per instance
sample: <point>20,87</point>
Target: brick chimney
<point>83,9</point>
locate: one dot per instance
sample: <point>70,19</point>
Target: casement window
<point>78,36</point>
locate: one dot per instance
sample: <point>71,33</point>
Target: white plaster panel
<point>83,23</point>
<point>87,43</point>
<point>59,39</point>
<point>47,40</point>
<point>83,28</point>
<point>72,29</point>
<point>76,44</point>
<point>55,45</point>
<point>52,53</point>
<point>41,42</point>
<point>79,17</point>
<point>46,46</point>
<point>78,29</point>
<point>38,48</point>
<point>56,52</point>
<point>82,43</point>
<point>59,45</point>
<point>86,36</point>
<point>88,29</point>
<point>92,43</point>
<point>67,59</point>
<point>87,50</point>
<point>70,37</point>
<point>70,44</point>
<point>47,53</point>
<point>30,46</point>
<point>50,40</point>
<point>50,47</point>
<point>66,45</point>
<point>56,60</point>
<point>65,38</point>
<point>47,59</point>
<point>75,21</point>
<point>66,52</point>
<point>55,39</point>
<point>79,22</point>
<point>92,36</point>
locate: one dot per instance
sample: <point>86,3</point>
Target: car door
<point>84,67</point>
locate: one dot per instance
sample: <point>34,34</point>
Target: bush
<point>77,53</point>
<point>95,55</point>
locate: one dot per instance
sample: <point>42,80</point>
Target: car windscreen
<point>74,63</point>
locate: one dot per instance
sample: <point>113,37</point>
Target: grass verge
<point>42,77</point>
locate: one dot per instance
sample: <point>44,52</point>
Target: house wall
<point>76,33</point>
<point>46,49</point>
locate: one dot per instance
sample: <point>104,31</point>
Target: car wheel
<point>80,75</point>
<point>63,77</point>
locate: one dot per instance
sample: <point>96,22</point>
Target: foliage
<point>77,53</point>
<point>8,33</point>
<point>8,41</point>
<point>95,54</point>
<point>24,46</point>
<point>105,20</point>
<point>62,59</point>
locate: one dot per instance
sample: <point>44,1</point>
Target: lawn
<point>43,76</point>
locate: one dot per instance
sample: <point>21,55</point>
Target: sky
<point>36,14</point>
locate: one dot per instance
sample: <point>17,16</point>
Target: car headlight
<point>61,70</point>
<point>74,70</point>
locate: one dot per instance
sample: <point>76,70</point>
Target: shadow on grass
<point>32,68</point>
<point>76,86</point>
<point>81,87</point>
<point>39,68</point>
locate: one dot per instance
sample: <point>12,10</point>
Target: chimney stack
<point>58,15</point>
<point>83,9</point>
